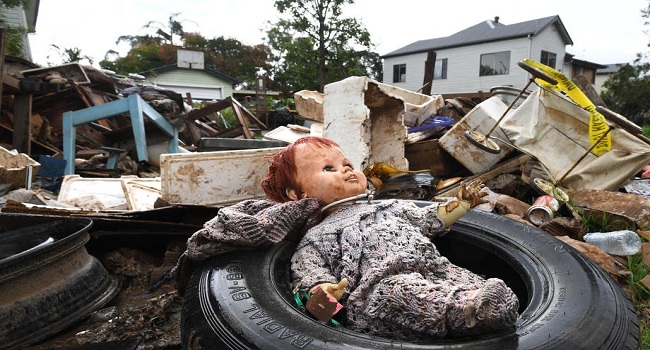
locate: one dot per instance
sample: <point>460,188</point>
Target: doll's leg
<point>408,305</point>
<point>495,305</point>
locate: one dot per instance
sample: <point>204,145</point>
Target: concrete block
<point>309,105</point>
<point>367,118</point>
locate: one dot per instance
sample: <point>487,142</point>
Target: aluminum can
<point>543,210</point>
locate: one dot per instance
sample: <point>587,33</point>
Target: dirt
<point>144,315</point>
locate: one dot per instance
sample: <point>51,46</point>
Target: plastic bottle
<point>623,242</point>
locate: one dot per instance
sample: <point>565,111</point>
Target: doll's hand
<point>471,193</point>
<point>334,289</point>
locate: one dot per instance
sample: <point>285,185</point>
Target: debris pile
<point>538,164</point>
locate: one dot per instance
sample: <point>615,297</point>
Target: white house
<point>603,74</point>
<point>190,75</point>
<point>471,62</point>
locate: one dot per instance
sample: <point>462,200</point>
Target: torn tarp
<point>555,130</point>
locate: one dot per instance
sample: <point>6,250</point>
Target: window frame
<point>548,59</point>
<point>485,70</point>
<point>440,73</point>
<point>399,73</point>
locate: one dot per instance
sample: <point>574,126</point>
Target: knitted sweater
<point>399,286</point>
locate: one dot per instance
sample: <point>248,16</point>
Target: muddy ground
<point>146,312</point>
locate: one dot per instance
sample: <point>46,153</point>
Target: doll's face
<point>326,174</point>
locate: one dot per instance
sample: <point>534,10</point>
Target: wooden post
<point>22,140</point>
<point>429,67</point>
<point>2,61</point>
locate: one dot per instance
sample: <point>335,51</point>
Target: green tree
<point>227,56</point>
<point>627,90</point>
<point>315,35</point>
<point>231,57</point>
<point>68,55</point>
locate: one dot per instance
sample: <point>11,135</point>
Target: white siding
<point>551,41</point>
<point>600,80</point>
<point>15,17</point>
<point>463,64</point>
<point>198,83</point>
<point>414,70</point>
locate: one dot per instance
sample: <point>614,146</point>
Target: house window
<point>497,63</point>
<point>440,70</point>
<point>548,58</point>
<point>399,73</point>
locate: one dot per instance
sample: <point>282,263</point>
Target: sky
<point>603,31</point>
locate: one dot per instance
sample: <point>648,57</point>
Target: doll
<point>378,259</point>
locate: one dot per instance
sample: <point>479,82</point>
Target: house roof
<point>173,66</point>
<point>610,68</point>
<point>484,32</point>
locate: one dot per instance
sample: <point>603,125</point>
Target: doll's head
<point>312,167</point>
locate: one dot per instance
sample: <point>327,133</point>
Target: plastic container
<point>623,242</point>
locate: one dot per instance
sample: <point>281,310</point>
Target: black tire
<point>243,301</point>
<point>48,281</point>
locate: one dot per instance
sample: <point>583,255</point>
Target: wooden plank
<point>501,168</point>
<point>2,60</point>
<point>240,117</point>
<point>250,115</point>
<point>206,128</point>
<point>585,85</point>
<point>11,82</point>
<point>192,132</point>
<point>231,132</point>
<point>210,109</point>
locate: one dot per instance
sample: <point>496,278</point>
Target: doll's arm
<point>435,219</point>
<point>468,197</point>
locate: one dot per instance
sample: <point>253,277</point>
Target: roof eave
<point>173,66</point>
<point>478,42</point>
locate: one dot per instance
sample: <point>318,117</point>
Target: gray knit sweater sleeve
<point>250,224</point>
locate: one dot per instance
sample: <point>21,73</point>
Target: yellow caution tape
<point>597,122</point>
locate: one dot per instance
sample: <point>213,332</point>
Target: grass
<point>640,295</point>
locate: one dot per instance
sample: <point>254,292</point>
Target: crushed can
<point>543,210</point>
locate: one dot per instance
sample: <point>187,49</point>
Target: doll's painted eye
<point>328,168</point>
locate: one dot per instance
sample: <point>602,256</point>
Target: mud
<point>144,315</point>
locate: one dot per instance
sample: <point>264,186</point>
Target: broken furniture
<point>480,118</point>
<point>195,126</point>
<point>137,109</point>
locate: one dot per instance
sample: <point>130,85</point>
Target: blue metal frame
<point>135,106</point>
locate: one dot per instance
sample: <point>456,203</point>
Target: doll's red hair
<point>281,175</point>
